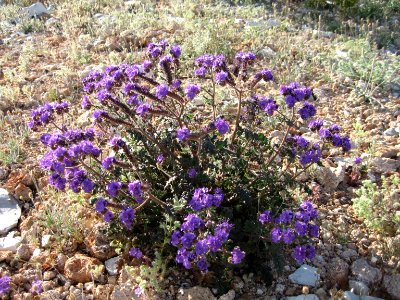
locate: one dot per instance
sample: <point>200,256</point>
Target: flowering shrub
<point>192,157</point>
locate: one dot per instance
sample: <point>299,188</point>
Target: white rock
<point>267,52</point>
<point>112,265</point>
<point>370,298</point>
<point>10,212</point>
<point>305,275</point>
<point>10,243</point>
<point>46,240</point>
<point>36,10</point>
<point>350,296</point>
<point>358,288</point>
<point>304,297</point>
<point>228,296</point>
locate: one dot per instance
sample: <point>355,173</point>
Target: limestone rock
<point>366,273</point>
<point>79,268</point>
<point>10,212</point>
<point>305,275</point>
<point>196,293</point>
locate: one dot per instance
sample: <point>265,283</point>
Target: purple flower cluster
<point>221,125</point>
<point>245,57</point>
<point>203,199</point>
<point>289,227</point>
<point>37,287</point>
<point>100,207</point>
<point>266,104</point>
<point>307,111</point>
<point>237,255</point>
<point>136,253</point>
<point>191,91</point>
<point>182,133</point>
<point>332,135</point>
<point>155,50</point>
<point>293,93</point>
<point>264,74</point>
<point>127,216</point>
<point>307,152</point>
<point>44,114</point>
<point>194,245</point>
<point>4,285</point>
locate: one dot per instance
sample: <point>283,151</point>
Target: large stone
<point>330,178</point>
<point>113,265</point>
<point>98,244</point>
<point>35,10</point>
<point>196,293</point>
<point>81,268</point>
<point>10,243</point>
<point>228,296</point>
<point>10,212</point>
<point>366,273</point>
<point>384,165</point>
<point>338,272</point>
<point>305,275</point>
<point>304,297</point>
<point>359,288</point>
<point>392,285</point>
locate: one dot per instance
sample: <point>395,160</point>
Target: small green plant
<point>12,154</point>
<point>379,206</point>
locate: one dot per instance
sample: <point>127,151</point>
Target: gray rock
<point>24,252</point>
<point>359,288</point>
<point>349,254</point>
<point>305,275</point>
<point>196,293</point>
<point>36,10</point>
<point>384,165</point>
<point>392,285</point>
<point>10,243</point>
<point>267,52</point>
<point>350,296</point>
<point>370,298</point>
<point>366,273</point>
<point>330,178</point>
<point>10,212</point>
<point>124,291</point>
<point>304,297</point>
<point>112,265</point>
<point>391,132</point>
<point>3,170</point>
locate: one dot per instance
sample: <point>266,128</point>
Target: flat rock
<point>98,244</point>
<point>112,265</point>
<point>10,212</point>
<point>350,296</point>
<point>384,165</point>
<point>10,243</point>
<point>79,268</point>
<point>365,272</point>
<point>392,285</point>
<point>305,275</point>
<point>196,293</point>
<point>35,10</point>
<point>124,291</point>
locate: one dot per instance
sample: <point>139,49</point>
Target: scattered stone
<point>98,244</point>
<point>36,10</point>
<point>10,243</point>
<point>338,272</point>
<point>24,252</point>
<point>80,268</point>
<point>51,295</point>
<point>196,293</point>
<point>267,52</point>
<point>322,294</point>
<point>113,265</point>
<point>228,296</point>
<point>10,212</point>
<point>304,297</point>
<point>45,240</point>
<point>124,291</point>
<point>103,292</point>
<point>3,173</point>
<point>330,178</point>
<point>349,254</point>
<point>49,275</point>
<point>366,273</point>
<point>305,275</point>
<point>392,285</point>
<point>350,296</point>
<point>6,256</point>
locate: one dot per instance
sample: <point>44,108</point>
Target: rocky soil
<point>74,259</point>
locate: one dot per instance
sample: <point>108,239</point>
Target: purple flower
<point>265,217</point>
<point>276,234</point>
<point>346,144</point>
<point>222,125</point>
<point>202,264</point>
<point>135,252</point>
<point>200,72</point>
<point>87,185</point>
<point>221,77</point>
<point>98,114</point>
<point>182,133</point>
<point>290,101</point>
<point>175,51</point>
<point>313,230</point>
<point>357,160</point>
<point>237,255</point>
<point>285,217</point>
<point>127,216</point>
<point>187,239</point>
<point>245,57</point>
<point>288,236</point>
<point>299,253</point>
<point>334,128</point>
<point>108,216</point>
<point>192,222</point>
<point>191,91</point>
<point>107,162</point>
<point>37,287</point>
<point>324,133</point>
<point>192,173</point>
<point>301,228</point>
<point>4,285</point>
<point>160,158</point>
<point>117,142</point>
<point>222,230</point>
<point>201,247</point>
<point>113,187</point>
<point>138,291</point>
<point>307,111</point>
<point>162,91</point>
<point>135,188</point>
<point>142,109</point>
<point>176,84</point>
<point>217,197</point>
<point>310,251</point>
<point>175,237</point>
<point>86,103</point>
<point>316,124</point>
